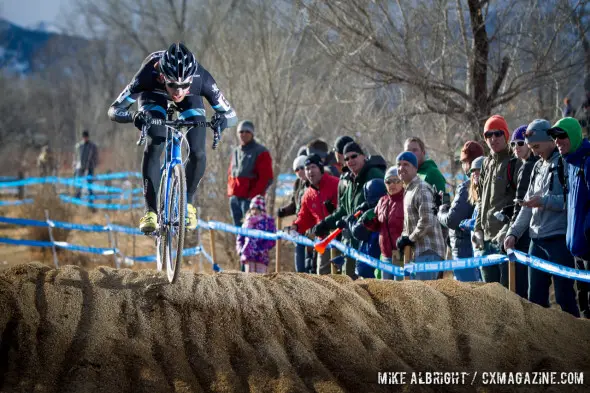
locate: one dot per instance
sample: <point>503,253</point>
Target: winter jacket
<point>459,210</point>
<point>250,171</point>
<point>353,196</point>
<point>313,209</point>
<point>368,240</point>
<point>578,200</point>
<point>295,202</point>
<point>550,219</point>
<point>86,156</point>
<point>389,222</point>
<point>496,192</point>
<point>522,185</point>
<point>252,249</point>
<point>430,173</point>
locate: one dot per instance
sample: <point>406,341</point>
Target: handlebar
<point>181,124</point>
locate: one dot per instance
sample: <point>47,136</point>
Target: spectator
<point>544,216</point>
<point>473,196</point>
<point>322,187</point>
<point>86,160</point>
<point>249,173</point>
<point>450,216</point>
<point>362,169</point>
<point>388,219</point>
<point>368,240</point>
<point>338,149</point>
<point>497,190</point>
<point>427,169</point>
<point>575,150</point>
<point>294,206</point>
<point>321,148</point>
<point>421,229</point>
<point>523,179</point>
<point>254,252</point>
<point>568,109</point>
<point>46,162</point>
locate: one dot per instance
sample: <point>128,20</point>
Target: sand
<point>107,330</point>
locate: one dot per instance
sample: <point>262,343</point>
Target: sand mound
<point>106,330</point>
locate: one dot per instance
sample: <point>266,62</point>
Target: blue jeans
<point>553,249</point>
<point>428,256</point>
<point>583,288</point>
<point>389,276</point>
<point>522,271</point>
<point>494,273</point>
<point>84,173</point>
<point>466,275</point>
<point>238,208</point>
<point>300,259</point>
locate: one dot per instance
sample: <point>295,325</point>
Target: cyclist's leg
<point>156,142</point>
<point>197,159</point>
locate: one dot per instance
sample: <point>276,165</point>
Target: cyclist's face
<point>177,94</point>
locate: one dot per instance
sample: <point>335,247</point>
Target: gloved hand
<point>320,229</point>
<point>281,212</point>
<point>142,118</point>
<point>341,224</point>
<point>367,216</point>
<point>291,230</point>
<point>219,120</point>
<point>444,208</point>
<point>329,206</point>
<point>402,242</point>
<point>477,239</point>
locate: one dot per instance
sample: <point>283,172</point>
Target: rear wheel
<point>176,225</point>
<point>160,239</point>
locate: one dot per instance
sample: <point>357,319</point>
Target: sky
<point>30,12</point>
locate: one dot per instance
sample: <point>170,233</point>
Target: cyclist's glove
<point>219,120</point>
<point>141,118</point>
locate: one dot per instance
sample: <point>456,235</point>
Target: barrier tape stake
<point>278,245</point>
<point>53,250</point>
<point>407,256</point>
<point>512,277</point>
<point>112,242</point>
<point>212,244</point>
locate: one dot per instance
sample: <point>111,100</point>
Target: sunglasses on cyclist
<point>497,134</point>
<point>179,86</point>
<point>392,181</point>
<point>351,157</point>
<point>515,143</point>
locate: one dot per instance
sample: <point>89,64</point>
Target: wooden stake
<point>278,245</point>
<point>407,256</point>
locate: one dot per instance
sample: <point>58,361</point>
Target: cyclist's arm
<point>119,110</point>
<point>217,100</point>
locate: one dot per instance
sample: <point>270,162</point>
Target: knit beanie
<point>409,157</point>
<point>246,125</point>
<point>497,123</point>
<point>518,134</point>
<point>470,151</point>
<point>537,131</point>
<point>572,128</point>
<point>477,164</point>
<point>314,159</point>
<point>391,172</point>
<point>341,141</point>
<point>258,202</point>
<point>299,162</point>
<point>353,147</point>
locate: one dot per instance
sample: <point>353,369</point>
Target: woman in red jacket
<point>388,219</point>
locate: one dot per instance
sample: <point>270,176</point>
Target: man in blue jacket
<point>575,149</point>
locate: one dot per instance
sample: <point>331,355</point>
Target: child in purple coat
<point>254,252</point>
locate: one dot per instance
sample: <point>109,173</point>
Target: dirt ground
<point>108,330</point>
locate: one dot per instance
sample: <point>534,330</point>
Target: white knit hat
<point>299,162</point>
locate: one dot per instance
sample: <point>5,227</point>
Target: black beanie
<point>341,142</point>
<point>314,159</point>
<point>353,147</point>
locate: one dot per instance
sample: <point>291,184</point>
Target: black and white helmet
<point>178,64</point>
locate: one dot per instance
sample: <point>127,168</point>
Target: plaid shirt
<point>420,222</point>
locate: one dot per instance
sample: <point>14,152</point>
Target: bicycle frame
<point>173,157</point>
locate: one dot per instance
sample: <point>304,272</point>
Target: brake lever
<point>142,138</point>
<point>216,137</point>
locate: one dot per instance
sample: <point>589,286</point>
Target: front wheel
<point>161,248</point>
<point>175,224</point>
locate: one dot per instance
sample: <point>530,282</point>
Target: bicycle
<point>172,205</point>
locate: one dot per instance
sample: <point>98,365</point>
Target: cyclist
<point>173,75</point>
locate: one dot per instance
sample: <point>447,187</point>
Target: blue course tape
<point>77,227</point>
<point>14,182</point>
<point>23,221</point>
<point>16,202</point>
<point>216,225</point>
<point>548,267</point>
<point>91,250</point>
<point>19,242</point>
<point>107,206</point>
<point>187,252</point>
<point>463,263</point>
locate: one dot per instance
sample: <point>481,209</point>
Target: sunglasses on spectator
<point>299,168</point>
<point>497,134</point>
<point>351,157</point>
<point>559,136</point>
<point>519,143</point>
<point>392,181</point>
